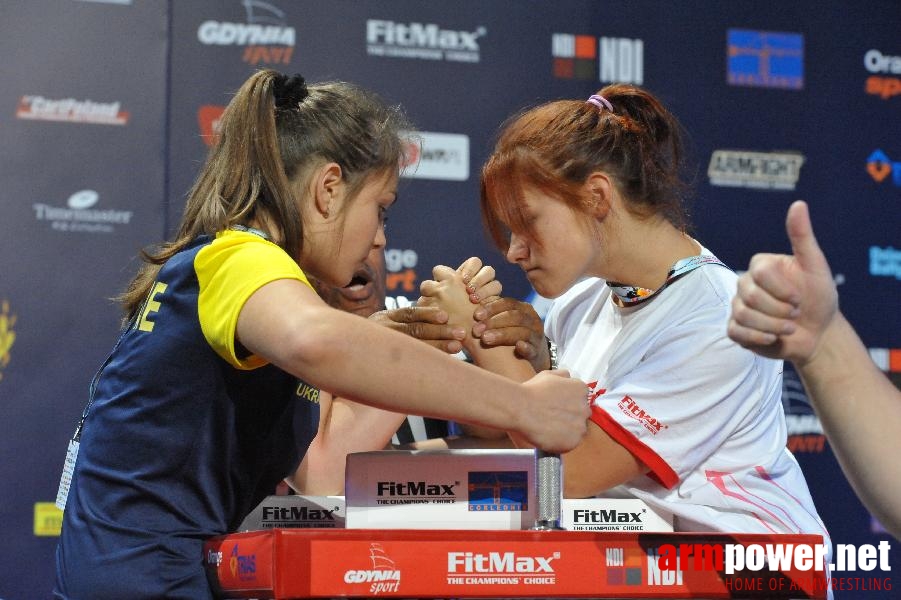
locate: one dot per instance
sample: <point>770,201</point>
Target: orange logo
<point>879,166</point>
<point>884,87</point>
<point>883,82</point>
<point>878,170</point>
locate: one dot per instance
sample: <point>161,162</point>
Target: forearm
<point>349,427</point>
<point>460,443</point>
<point>860,410</point>
<point>286,324</point>
<point>501,360</point>
<point>482,433</point>
<point>334,351</point>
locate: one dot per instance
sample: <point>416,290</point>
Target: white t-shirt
<point>702,413</point>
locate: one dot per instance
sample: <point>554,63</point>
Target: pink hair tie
<point>600,102</point>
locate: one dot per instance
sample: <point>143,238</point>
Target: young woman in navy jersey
<point>197,413</point>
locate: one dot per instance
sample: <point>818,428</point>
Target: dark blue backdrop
<point>106,105</point>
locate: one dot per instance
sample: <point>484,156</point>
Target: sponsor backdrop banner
<point>109,107</point>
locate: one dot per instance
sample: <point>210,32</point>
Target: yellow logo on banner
<point>7,335</point>
<point>48,520</point>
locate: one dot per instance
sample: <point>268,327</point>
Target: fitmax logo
<point>415,488</point>
<point>497,562</point>
<point>297,513</point>
<point>422,40</point>
<point>605,516</point>
<point>631,408</point>
<point>420,35</point>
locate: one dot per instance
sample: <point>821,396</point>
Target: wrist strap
<point>552,352</point>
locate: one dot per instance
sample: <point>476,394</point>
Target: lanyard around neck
<point>630,295</point>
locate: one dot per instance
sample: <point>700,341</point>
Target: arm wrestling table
<point>544,562</point>
<point>327,563</point>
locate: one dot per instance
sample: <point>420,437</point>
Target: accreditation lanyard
<point>65,480</point>
<point>630,295</point>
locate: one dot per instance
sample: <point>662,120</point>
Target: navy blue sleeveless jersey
<point>183,435</point>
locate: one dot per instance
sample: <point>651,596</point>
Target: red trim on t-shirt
<point>661,472</point>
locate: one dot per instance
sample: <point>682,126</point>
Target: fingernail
<point>489,338</point>
<point>478,329</point>
<point>795,313</point>
<point>474,298</point>
<point>788,327</point>
<point>471,290</point>
<point>479,314</point>
<point>458,333</point>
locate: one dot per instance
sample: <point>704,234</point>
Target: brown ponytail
<point>273,130</point>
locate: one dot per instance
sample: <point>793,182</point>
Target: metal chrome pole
<point>549,481</point>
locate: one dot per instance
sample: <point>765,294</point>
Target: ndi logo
<point>624,565</point>
<point>498,491</point>
<point>608,59</point>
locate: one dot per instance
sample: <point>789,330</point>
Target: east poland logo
<point>39,108</point>
<point>765,59</point>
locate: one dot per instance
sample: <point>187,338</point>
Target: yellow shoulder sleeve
<point>229,270</point>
